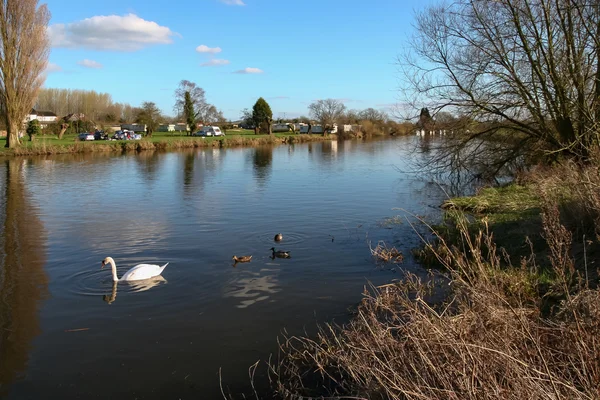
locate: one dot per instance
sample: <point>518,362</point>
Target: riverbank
<point>160,141</point>
<point>518,323</point>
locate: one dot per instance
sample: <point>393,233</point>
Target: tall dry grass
<point>493,337</point>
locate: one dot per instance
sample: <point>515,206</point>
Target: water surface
<point>67,332</point>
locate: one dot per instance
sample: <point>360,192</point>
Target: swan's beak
<point>103,263</point>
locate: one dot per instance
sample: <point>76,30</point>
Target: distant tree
<point>247,118</point>
<point>351,117</point>
<point>425,120</point>
<point>327,112</point>
<point>262,116</point>
<point>210,115</point>
<point>24,49</point>
<point>373,115</point>
<point>196,96</point>
<point>33,128</point>
<point>188,112</point>
<point>149,115</point>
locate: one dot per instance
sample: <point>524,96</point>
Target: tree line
<point>327,113</point>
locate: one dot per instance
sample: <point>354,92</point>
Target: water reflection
<point>148,163</point>
<point>199,168</point>
<point>253,287</point>
<point>134,286</point>
<point>23,281</point>
<point>262,159</point>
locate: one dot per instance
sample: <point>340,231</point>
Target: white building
<point>45,117</point>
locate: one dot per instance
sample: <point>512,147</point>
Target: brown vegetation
<point>500,332</point>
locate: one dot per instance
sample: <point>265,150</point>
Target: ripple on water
<point>289,238</point>
<point>99,282</point>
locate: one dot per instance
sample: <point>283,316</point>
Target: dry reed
<point>489,339</point>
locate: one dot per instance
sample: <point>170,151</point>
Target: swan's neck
<point>114,270</point>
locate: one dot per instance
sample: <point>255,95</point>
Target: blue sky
<point>290,52</point>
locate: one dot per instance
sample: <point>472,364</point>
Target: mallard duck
<point>241,259</point>
<point>278,237</point>
<point>280,253</point>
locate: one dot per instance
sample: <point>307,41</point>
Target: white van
<point>209,131</point>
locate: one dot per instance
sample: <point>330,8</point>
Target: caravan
<point>209,131</point>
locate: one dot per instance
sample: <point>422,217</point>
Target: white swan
<point>137,273</point>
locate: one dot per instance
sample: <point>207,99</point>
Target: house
<point>74,117</point>
<point>44,117</point>
<point>134,127</point>
<point>181,127</point>
<point>166,128</point>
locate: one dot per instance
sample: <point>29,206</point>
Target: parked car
<point>86,136</point>
<point>209,131</point>
<point>100,135</point>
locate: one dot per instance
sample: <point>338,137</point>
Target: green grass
<point>510,213</point>
<point>508,203</point>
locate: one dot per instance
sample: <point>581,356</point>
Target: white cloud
<point>89,64</point>
<point>215,62</point>
<point>234,2</point>
<point>53,68</point>
<point>249,70</point>
<point>205,49</point>
<point>110,32</point>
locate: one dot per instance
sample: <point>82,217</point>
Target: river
<point>66,332</point>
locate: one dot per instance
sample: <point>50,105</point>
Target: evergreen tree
<point>262,116</point>
<point>188,112</point>
<point>33,128</point>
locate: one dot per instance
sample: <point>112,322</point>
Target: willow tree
<point>524,69</point>
<point>24,49</point>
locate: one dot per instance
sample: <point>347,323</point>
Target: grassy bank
<point>45,145</point>
<point>504,329</point>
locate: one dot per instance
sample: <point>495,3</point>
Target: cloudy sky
<point>291,52</point>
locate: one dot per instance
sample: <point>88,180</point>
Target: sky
<point>290,52</point>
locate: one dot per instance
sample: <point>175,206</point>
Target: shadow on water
<point>23,281</point>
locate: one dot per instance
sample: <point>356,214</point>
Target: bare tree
<point>196,94</point>
<point>24,50</point>
<point>327,112</point>
<point>528,69</point>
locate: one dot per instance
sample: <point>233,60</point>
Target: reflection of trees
<point>195,176</point>
<point>23,281</point>
<point>188,170</point>
<point>262,158</point>
<point>148,163</point>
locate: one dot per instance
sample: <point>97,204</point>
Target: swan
<point>137,273</point>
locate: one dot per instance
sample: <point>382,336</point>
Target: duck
<point>137,273</point>
<point>278,237</point>
<point>280,253</point>
<point>241,259</point>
